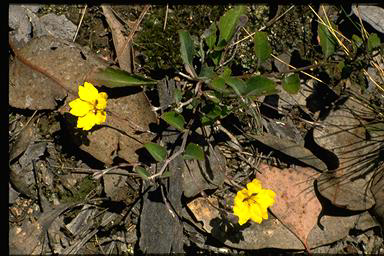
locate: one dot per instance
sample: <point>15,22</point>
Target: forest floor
<point>320,148</point>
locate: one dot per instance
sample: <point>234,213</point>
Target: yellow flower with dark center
<point>89,107</point>
<point>252,202</point>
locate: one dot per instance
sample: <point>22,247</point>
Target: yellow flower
<point>90,107</point>
<point>252,202</point>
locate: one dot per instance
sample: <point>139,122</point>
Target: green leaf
<point>174,119</point>
<point>112,77</point>
<point>187,51</point>
<point>291,83</point>
<point>142,172</point>
<point>259,85</point>
<point>211,38</point>
<point>327,42</point>
<point>226,72</point>
<point>186,47</point>
<point>373,42</point>
<point>166,174</point>
<point>216,57</point>
<point>177,94</point>
<point>157,152</point>
<point>218,84</point>
<point>206,73</point>
<point>262,48</point>
<point>213,112</point>
<point>228,24</point>
<point>357,40</point>
<point>238,85</point>
<point>193,151</point>
<point>212,95</point>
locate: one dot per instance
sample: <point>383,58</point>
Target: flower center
<point>250,198</point>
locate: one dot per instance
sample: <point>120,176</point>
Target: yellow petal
<point>241,195</point>
<point>255,209</point>
<point>266,198</point>
<point>88,93</point>
<point>254,187</point>
<point>242,213</point>
<point>257,219</point>
<point>100,117</point>
<point>102,101</point>
<point>264,214</point>
<point>79,107</point>
<point>86,122</point>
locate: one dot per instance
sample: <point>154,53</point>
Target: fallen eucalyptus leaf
<point>296,204</point>
<point>377,189</point>
<point>206,174</point>
<point>291,149</point>
<point>372,14</point>
<point>344,134</point>
<point>270,233</point>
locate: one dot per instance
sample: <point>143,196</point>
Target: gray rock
<point>18,20</point>
<point>56,26</point>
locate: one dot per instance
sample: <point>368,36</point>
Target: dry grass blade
<point>333,31</point>
<point>166,17</point>
<point>303,72</point>
<point>81,21</point>
<point>364,32</point>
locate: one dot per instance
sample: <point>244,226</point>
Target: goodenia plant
<point>207,63</point>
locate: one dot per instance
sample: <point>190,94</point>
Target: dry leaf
<point>335,228</point>
<point>291,149</point>
<point>45,70</point>
<point>344,135</point>
<point>377,189</point>
<point>206,174</point>
<point>119,40</point>
<point>270,233</point>
<point>296,205</point>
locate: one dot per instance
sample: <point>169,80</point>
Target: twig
<point>135,28</point>
<point>230,58</point>
<point>81,21</point>
<point>100,173</point>
<point>167,161</point>
<point>168,204</point>
<point>182,104</point>
<point>230,135</point>
<point>110,170</point>
<point>184,75</point>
